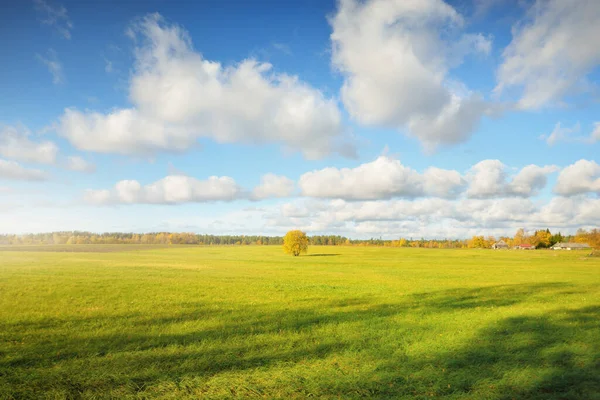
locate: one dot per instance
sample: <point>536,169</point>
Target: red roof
<point>525,245</point>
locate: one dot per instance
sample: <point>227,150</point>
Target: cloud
<point>435,218</point>
<point>488,179</point>
<point>173,189</point>
<point>272,185</point>
<point>76,163</point>
<point>56,17</point>
<point>291,210</point>
<point>443,183</point>
<point>11,170</point>
<point>395,57</point>
<point>98,197</point>
<point>580,177</point>
<point>560,134</point>
<point>54,66</point>
<point>387,178</point>
<point>383,178</point>
<point>284,48</point>
<point>595,136</point>
<point>552,52</point>
<point>177,188</point>
<point>530,180</point>
<point>15,143</point>
<point>483,7</point>
<point>178,97</point>
<point>123,131</point>
<point>108,66</point>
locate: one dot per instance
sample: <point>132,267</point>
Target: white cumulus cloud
<point>173,189</point>
<point>489,178</point>
<point>435,218</point>
<point>443,183</point>
<point>395,56</point>
<point>382,178</point>
<point>580,177</point>
<point>179,96</point>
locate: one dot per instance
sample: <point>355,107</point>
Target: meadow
<point>340,322</point>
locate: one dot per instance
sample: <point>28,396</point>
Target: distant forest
<point>539,239</point>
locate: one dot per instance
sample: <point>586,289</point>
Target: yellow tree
<point>581,236</point>
<point>295,242</point>
<point>593,238</point>
<point>519,237</point>
<point>542,238</point>
<point>478,242</point>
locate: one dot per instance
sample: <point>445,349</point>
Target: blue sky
<point>364,118</point>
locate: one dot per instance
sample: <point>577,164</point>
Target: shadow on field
<point>548,356</point>
<point>323,255</point>
<point>490,296</point>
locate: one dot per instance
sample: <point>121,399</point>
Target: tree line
<point>538,239</point>
<point>77,237</point>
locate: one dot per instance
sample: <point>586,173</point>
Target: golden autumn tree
<point>295,242</point>
<point>542,238</point>
<point>519,237</point>
<point>477,242</point>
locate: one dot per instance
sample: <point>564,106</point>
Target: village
<point>501,244</point>
<point>539,239</point>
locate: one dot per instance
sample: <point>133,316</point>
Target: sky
<point>363,118</point>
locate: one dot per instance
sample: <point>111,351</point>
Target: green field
<point>340,322</point>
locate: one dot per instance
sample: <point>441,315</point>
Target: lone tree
<point>295,242</point>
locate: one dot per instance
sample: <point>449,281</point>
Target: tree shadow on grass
<point>323,255</point>
<point>549,356</point>
<point>490,296</point>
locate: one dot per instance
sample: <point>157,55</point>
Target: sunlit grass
<point>341,322</point>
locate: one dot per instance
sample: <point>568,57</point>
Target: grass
<point>342,322</point>
<point>81,248</point>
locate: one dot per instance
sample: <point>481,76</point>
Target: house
<point>524,246</point>
<point>500,245</point>
<point>571,246</point>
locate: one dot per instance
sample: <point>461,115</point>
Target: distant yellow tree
<point>477,242</point>
<point>295,242</point>
<point>593,238</point>
<point>542,239</point>
<point>519,237</point>
<point>581,236</point>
